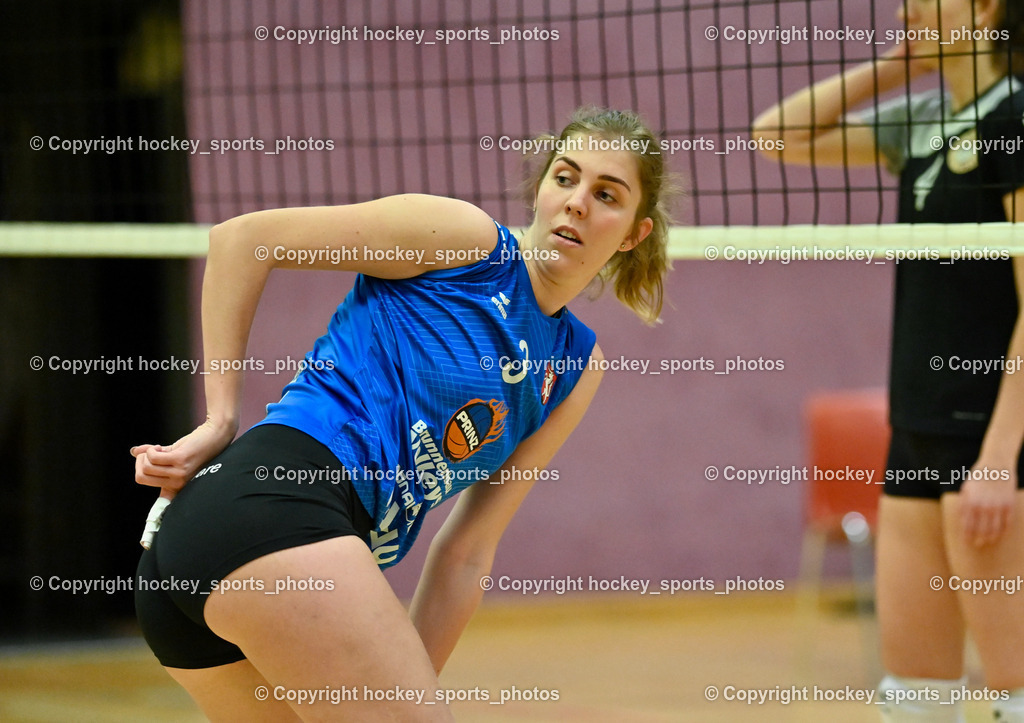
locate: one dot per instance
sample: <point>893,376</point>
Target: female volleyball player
<point>435,373</point>
<point>957,425</point>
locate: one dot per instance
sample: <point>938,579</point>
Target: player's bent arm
<point>392,238</point>
<point>847,145</point>
<point>816,124</point>
<point>463,550</point>
<point>232,286</point>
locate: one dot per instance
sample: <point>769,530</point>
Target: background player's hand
<point>986,504</point>
<point>171,467</point>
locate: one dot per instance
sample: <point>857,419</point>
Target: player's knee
<point>919,700</point>
<point>1010,710</point>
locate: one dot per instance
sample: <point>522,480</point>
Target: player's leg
<point>351,636</point>
<point>212,670</point>
<point>233,692</point>
<point>921,629</point>
<point>994,616</point>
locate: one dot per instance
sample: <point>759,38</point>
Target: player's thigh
<point>921,628</point>
<point>337,628</point>
<point>233,692</point>
<point>993,605</point>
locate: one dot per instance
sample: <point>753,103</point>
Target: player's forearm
<point>1005,432</point>
<point>232,285</point>
<point>448,594</point>
<point>823,105</point>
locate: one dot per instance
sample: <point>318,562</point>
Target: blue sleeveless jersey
<point>426,385</point>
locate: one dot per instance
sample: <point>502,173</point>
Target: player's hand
<point>171,467</point>
<point>987,502</point>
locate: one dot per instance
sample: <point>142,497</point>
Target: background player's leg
<point>350,631</point>
<point>229,692</point>
<point>996,617</point>
<point>922,629</point>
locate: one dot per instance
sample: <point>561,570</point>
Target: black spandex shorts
<point>228,516</point>
<point>928,465</point>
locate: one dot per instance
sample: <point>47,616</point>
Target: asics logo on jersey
<point>506,369</point>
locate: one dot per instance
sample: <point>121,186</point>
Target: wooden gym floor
<point>609,658</point>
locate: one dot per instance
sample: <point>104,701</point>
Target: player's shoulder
<point>916,110</point>
<point>1007,103</point>
<point>927,105</point>
<point>453,212</point>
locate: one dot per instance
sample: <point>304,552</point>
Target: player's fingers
<point>149,481</point>
<point>140,449</point>
<point>166,456</point>
<point>988,526</point>
<point>157,454</point>
<point>997,524</point>
<point>170,477</point>
<point>151,475</point>
<point>970,523</point>
<point>976,523</point>
<point>165,483</point>
<point>152,464</point>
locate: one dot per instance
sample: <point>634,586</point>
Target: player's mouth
<point>571,236</point>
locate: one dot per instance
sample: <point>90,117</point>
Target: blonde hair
<point>637,275</point>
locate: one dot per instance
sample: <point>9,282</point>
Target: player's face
<point>944,18</point>
<point>587,205</point>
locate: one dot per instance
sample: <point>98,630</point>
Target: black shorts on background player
<point>932,464</point>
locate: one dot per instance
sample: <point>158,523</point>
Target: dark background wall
<point>69,508</point>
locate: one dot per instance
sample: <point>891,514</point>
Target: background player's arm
<point>986,504</point>
<point>237,270</point>
<point>809,124</point>
<point>463,550</point>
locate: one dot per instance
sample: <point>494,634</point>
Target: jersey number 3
<point>506,370</point>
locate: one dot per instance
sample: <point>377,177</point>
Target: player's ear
<point>641,231</point>
<point>987,13</point>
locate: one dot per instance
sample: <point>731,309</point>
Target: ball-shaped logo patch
<point>473,425</point>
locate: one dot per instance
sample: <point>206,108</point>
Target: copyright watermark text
<point>868,36</point>
<point>336,35</point>
<point>623,584</point>
<point>350,693</point>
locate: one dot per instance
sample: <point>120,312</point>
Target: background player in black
<point>946,421</point>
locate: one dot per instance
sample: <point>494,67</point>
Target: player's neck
<point>550,292</point>
<point>968,78</point>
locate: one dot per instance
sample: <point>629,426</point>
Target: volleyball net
<point>308,103</point>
